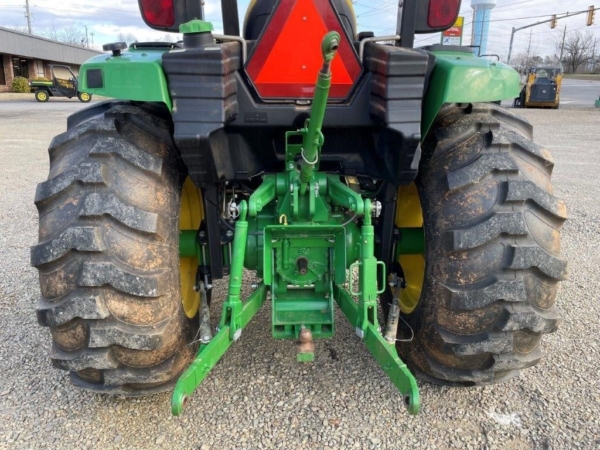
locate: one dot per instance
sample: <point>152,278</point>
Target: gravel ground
<point>258,397</point>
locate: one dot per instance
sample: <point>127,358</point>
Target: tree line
<point>577,51</point>
<point>76,35</point>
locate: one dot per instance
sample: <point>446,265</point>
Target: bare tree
<point>165,38</point>
<point>20,29</point>
<point>128,38</point>
<point>73,35</point>
<point>578,49</point>
<point>524,61</point>
<point>551,61</point>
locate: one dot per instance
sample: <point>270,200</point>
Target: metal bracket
<point>365,41</point>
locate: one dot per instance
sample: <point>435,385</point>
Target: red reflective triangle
<point>288,57</point>
<point>302,62</point>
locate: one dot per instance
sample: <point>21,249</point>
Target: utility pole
<point>28,15</point>
<point>92,34</point>
<point>562,46</point>
<point>87,42</point>
<point>553,19</point>
<point>528,48</point>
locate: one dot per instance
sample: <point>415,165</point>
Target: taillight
<point>158,13</point>
<point>287,57</point>
<point>442,13</point>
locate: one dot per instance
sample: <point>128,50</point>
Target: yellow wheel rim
<point>42,96</point>
<point>191,215</point>
<point>410,215</point>
<point>85,97</point>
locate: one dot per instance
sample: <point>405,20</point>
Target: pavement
<point>579,92</point>
<point>258,397</point>
<point>15,99</point>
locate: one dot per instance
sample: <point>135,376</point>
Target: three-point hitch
<point>311,248</point>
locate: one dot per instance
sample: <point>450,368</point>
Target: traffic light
<point>590,17</point>
<point>553,22</point>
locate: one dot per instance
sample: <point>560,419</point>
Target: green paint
<point>313,138</point>
<point>385,353</point>
<point>136,74</point>
<point>341,194</point>
<point>463,78</point>
<point>233,305</point>
<point>195,26</point>
<point>264,195</point>
<point>208,355</point>
<point>412,242</point>
<point>41,83</point>
<point>189,247</point>
<point>305,357</point>
<point>397,371</point>
<point>303,240</point>
<point>303,299</point>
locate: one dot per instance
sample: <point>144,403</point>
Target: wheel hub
<point>191,215</point>
<point>409,215</point>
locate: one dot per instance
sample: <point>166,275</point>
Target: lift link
<point>306,249</point>
<point>364,317</point>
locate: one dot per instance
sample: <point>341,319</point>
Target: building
<point>28,56</point>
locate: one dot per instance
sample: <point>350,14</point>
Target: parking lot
<point>258,396</point>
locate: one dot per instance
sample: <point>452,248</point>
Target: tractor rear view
<point>345,169</point>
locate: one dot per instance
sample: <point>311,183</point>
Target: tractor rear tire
<point>492,245</point>
<point>108,251</point>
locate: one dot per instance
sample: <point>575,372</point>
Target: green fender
<point>463,78</point>
<point>135,74</point>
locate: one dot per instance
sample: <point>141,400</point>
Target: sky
<point>379,16</point>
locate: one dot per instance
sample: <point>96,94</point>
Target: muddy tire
<point>492,263</point>
<point>108,251</point>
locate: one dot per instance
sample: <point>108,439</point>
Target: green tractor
<point>342,168</point>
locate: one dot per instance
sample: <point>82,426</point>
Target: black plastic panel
<point>94,78</point>
<point>397,91</point>
<point>225,133</point>
<point>203,88</point>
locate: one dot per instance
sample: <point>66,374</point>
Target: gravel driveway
<point>258,396</point>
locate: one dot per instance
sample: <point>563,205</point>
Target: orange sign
<point>453,35</point>
<point>287,58</point>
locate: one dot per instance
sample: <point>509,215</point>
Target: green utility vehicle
<point>340,167</point>
<point>64,84</point>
